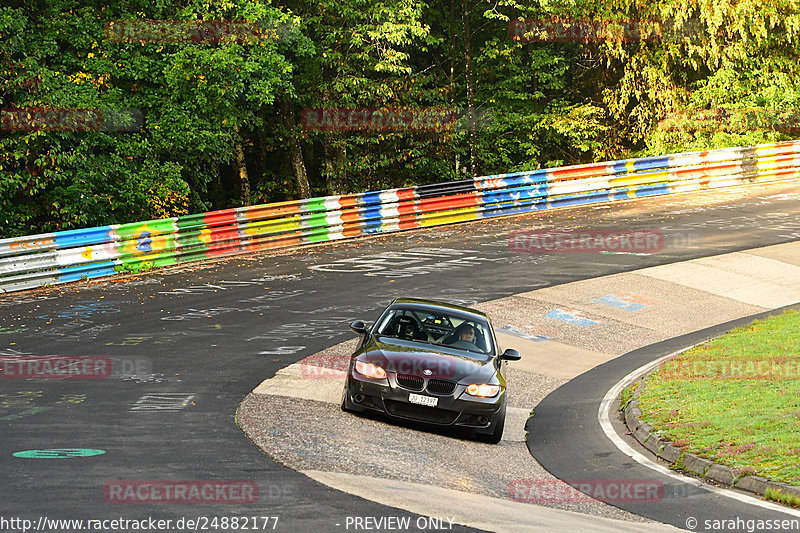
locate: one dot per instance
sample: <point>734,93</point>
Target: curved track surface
<point>566,443</point>
<point>590,322</point>
<point>188,344</point>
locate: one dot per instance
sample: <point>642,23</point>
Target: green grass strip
<point>735,399</point>
<point>782,497</point>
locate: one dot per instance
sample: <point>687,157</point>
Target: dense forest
<point>129,110</point>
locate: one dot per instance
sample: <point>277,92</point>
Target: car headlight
<point>369,370</point>
<point>483,390</point>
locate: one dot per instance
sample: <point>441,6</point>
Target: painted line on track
<point>605,422</point>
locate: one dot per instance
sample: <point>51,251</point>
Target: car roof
<point>436,305</point>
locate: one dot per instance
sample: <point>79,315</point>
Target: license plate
<point>423,400</point>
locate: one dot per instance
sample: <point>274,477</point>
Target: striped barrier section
<point>66,256</point>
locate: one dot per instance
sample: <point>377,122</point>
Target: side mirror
<point>510,355</point>
<point>359,327</point>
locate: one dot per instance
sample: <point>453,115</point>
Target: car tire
<point>497,434</point>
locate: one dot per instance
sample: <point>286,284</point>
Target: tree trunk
<point>335,164</point>
<point>470,92</point>
<point>244,180</point>
<point>295,151</point>
<point>216,188</point>
<point>299,167</point>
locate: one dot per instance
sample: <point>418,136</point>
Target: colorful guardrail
<point>67,256</point>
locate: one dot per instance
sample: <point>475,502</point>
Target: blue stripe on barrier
<point>580,199</point>
<point>83,237</point>
<point>527,179</point>
<point>500,197</point>
<point>620,194</point>
<point>649,163</point>
<point>514,195</point>
<point>370,198</point>
<point>94,270</point>
<point>619,167</point>
<point>371,213</point>
<point>637,165</point>
<point>652,190</point>
<point>372,220</point>
<point>516,179</point>
<point>513,209</point>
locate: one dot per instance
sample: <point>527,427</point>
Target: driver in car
<point>465,337</point>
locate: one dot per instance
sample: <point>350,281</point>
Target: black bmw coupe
<point>430,362</point>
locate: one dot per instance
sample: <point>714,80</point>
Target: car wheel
<point>497,434</point>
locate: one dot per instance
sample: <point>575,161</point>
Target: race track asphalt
<point>188,343</point>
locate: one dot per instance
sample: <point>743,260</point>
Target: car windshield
<point>439,328</point>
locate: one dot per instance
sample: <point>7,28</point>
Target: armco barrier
<point>65,256</point>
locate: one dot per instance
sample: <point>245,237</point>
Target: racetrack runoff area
<point>562,331</point>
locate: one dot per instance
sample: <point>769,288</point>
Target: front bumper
<point>387,396</point>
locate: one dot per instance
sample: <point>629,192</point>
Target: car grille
<point>423,413</point>
<point>441,386</point>
<point>410,382</point>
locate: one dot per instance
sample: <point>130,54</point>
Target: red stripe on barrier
<point>279,210</point>
<point>407,208</point>
<point>579,171</point>
<point>706,171</point>
<point>459,201</point>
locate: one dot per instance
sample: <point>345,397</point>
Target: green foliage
<point>782,497</point>
<point>707,75</point>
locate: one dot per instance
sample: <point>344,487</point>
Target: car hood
<point>427,362</point>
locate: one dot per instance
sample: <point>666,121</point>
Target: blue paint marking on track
<point>522,334</point>
<point>571,317</point>
<point>627,303</point>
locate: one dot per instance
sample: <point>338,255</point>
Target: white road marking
<point>605,422</point>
